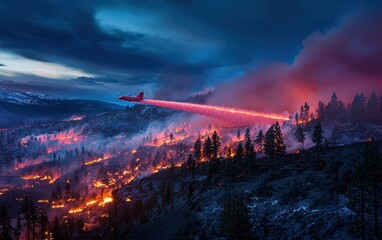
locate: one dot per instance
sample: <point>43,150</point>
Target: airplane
<point>129,98</point>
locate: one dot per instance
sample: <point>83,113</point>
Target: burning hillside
<point>73,170</point>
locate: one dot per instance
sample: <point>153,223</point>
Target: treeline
<point>360,109</point>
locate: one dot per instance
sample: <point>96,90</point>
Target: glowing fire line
<point>219,112</point>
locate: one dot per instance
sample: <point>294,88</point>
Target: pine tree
<point>279,141</point>
<point>197,149</point>
<point>300,135</point>
<point>335,107</point>
<point>248,143</point>
<point>269,144</point>
<point>228,151</point>
<point>304,112</point>
<point>239,151</point>
<point>260,141</point>
<point>320,110</point>
<point>215,145</point>
<point>318,140</point>
<point>357,108</point>
<point>372,106</point>
<point>207,153</point>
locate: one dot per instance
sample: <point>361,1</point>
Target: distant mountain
<point>22,107</point>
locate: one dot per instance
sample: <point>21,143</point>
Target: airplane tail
<point>140,95</point>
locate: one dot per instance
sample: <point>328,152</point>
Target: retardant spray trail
<point>233,115</point>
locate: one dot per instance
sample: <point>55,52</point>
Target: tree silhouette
<point>279,141</point>
<point>239,151</point>
<point>197,149</point>
<point>300,135</point>
<point>318,140</point>
<point>269,144</point>
<point>215,145</point>
<point>260,141</point>
<point>248,143</point>
<point>207,152</point>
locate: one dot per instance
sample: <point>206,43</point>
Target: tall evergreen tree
<point>260,141</point>
<point>248,143</point>
<point>318,140</point>
<point>320,110</point>
<point>335,107</point>
<point>357,108</point>
<point>215,145</point>
<point>239,151</point>
<point>207,153</point>
<point>228,151</point>
<point>280,146</point>
<point>372,106</point>
<point>198,149</point>
<point>269,144</point>
<point>304,112</point>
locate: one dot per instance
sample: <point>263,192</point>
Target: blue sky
<point>168,48</point>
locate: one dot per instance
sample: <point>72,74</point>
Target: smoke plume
<point>346,59</point>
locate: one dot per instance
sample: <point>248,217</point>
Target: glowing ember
<point>76,210</point>
<point>91,202</point>
<point>105,200</point>
<point>98,160</point>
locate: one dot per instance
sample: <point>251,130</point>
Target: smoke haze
<point>346,59</point>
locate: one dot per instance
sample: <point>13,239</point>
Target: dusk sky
<point>173,48</point>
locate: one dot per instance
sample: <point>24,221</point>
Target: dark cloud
<point>2,65</point>
<point>346,58</point>
<point>174,46</point>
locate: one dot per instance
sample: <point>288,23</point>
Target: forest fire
<point>79,172</point>
<point>106,157</point>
